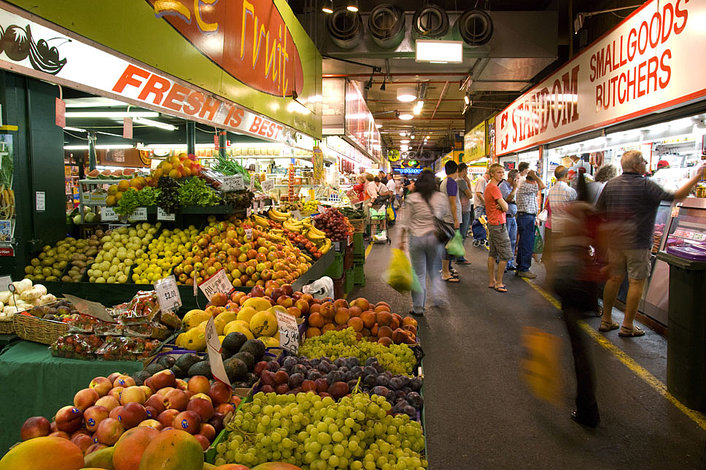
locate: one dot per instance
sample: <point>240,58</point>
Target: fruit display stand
<point>35,383</point>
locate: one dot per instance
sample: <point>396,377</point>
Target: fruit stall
<point>344,392</point>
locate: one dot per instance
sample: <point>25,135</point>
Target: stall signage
<point>108,214</point>
<point>474,143</point>
<point>138,214</point>
<point>218,283</point>
<point>645,64</point>
<point>213,347</point>
<point>164,215</point>
<point>168,294</point>
<point>130,82</point>
<point>359,124</point>
<point>288,331</point>
<point>233,183</point>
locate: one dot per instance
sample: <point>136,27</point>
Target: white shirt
<point>391,185</point>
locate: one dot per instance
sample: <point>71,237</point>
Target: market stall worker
<point>662,164</point>
<point>630,203</point>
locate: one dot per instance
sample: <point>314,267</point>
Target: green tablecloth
<point>33,383</point>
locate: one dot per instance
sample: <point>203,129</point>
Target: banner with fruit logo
<point>253,53</point>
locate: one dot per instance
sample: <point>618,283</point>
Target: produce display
<point>301,232</point>
<point>25,297</point>
<point>51,262</point>
<point>170,248</point>
<point>118,251</point>
<point>334,224</point>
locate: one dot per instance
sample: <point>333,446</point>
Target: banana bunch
<point>293,225</point>
<point>278,216</point>
<point>7,202</point>
<point>260,221</point>
<point>276,235</point>
<point>326,246</point>
<point>315,235</point>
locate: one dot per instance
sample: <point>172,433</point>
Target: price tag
<point>321,209</point>
<point>268,185</point>
<point>168,294</point>
<point>213,346</point>
<point>5,282</point>
<point>248,233</point>
<point>164,215</point>
<point>252,183</point>
<point>196,288</point>
<point>93,309</point>
<point>288,331</point>
<point>233,183</point>
<point>108,214</point>
<point>297,214</point>
<point>217,283</point>
<point>139,214</point>
<point>248,211</point>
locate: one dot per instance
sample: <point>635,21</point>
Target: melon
<point>245,314</point>
<point>263,324</point>
<point>173,450</point>
<point>258,303</point>
<point>43,453</point>
<point>222,319</point>
<point>238,326</point>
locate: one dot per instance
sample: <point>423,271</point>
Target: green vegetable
<point>195,192</point>
<point>231,167</point>
<point>132,199</point>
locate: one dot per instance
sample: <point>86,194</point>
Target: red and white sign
<point>68,63</point>
<point>650,62</point>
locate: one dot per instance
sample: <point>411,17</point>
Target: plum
<point>289,362</point>
<point>382,391</point>
<point>371,360</point>
<point>370,380</point>
<point>383,380</point>
<point>416,384</point>
<point>410,411</point>
<point>415,399</point>
<point>296,380</point>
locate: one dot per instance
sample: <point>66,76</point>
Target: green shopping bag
<point>399,274</point>
<point>538,241</point>
<point>454,247</point>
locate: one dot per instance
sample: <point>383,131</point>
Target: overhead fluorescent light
<point>111,114</point>
<point>93,102</point>
<point>75,129</point>
<point>99,147</point>
<point>404,141</point>
<point>406,94</point>
<point>328,7</point>
<point>418,107</point>
<point>352,6</point>
<point>151,123</point>
<point>450,52</point>
<point>406,116</point>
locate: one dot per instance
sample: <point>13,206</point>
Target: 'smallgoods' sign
<point>650,62</point>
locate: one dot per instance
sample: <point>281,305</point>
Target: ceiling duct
<point>387,25</point>
<point>430,22</point>
<point>475,27</point>
<point>344,28</point>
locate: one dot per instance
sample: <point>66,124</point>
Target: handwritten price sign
<point>168,294</point>
<point>233,183</point>
<point>164,215</point>
<point>213,346</point>
<point>217,283</point>
<point>108,214</point>
<point>288,331</point>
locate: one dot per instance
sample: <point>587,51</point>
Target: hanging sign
<point>644,65</point>
<point>127,128</point>
<point>60,117</point>
<point>168,294</point>
<point>218,283</point>
<point>213,346</point>
<point>317,160</point>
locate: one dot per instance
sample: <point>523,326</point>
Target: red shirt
<point>491,195</point>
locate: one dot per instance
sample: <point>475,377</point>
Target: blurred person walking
<point>630,203</point>
<point>449,187</point>
<point>527,210</point>
<point>594,189</point>
<point>496,207</point>
<point>508,188</point>
<point>425,250</point>
<point>465,196</point>
<point>557,197</point>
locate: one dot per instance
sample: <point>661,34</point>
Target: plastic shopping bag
<point>541,365</point>
<point>390,213</point>
<point>399,274</point>
<point>538,241</point>
<point>454,247</point>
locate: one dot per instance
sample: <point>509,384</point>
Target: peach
<point>356,323</point>
<point>115,392</point>
<point>101,385</point>
<point>354,311</point>
<point>202,407</point>
<point>368,318</point>
<point>208,431</point>
<point>202,395</point>
<point>124,380</point>
<point>85,398</point>
<point>132,414</point>
<point>60,434</point>
<point>115,412</point>
<point>109,431</point>
<point>383,318</point>
<point>316,320</point>
<point>302,305</point>
<point>199,384</point>
<point>132,394</point>
<point>68,419</point>
<point>203,440</point>
<point>219,393</point>
<point>82,441</point>
<point>94,415</point>
<point>342,315</point>
<point>36,426</point>
<point>312,332</point>
<point>152,423</point>
<point>176,399</point>
<point>361,303</point>
<point>156,402</point>
<point>340,303</point>
<point>166,417</point>
<point>188,421</point>
<point>108,402</point>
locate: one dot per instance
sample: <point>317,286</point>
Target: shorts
<point>635,262</point>
<point>499,241</point>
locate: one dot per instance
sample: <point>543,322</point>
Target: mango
<point>102,458</point>
<point>44,453</point>
<point>173,450</point>
<point>131,446</point>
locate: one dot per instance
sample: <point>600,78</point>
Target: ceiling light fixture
<point>157,124</point>
<point>466,100</point>
<point>328,7</point>
<point>439,52</point>
<point>418,108</point>
<point>111,114</point>
<point>378,126</point>
<point>406,94</point>
<point>352,6</point>
<point>406,116</point>
<point>404,141</point>
<point>382,87</point>
<point>412,137</point>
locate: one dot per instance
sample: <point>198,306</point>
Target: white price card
<point>268,185</point>
<point>217,283</point>
<point>233,183</point>
<point>321,209</point>
<point>5,281</point>
<point>164,215</point>
<point>213,346</point>
<point>297,214</point>
<point>139,214</point>
<point>288,331</point>
<point>248,212</point>
<point>248,233</point>
<point>108,214</point>
<point>168,294</point>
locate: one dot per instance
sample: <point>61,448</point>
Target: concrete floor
<point>480,414</point>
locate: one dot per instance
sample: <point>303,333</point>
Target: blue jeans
<point>525,229</point>
<point>512,232</point>
<point>425,252</point>
<point>465,223</point>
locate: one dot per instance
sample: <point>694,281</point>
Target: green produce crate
<point>335,269</point>
<point>359,275</point>
<point>358,244</point>
<point>348,282</point>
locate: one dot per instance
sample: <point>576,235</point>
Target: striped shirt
<point>557,196</point>
<point>526,198</point>
<point>633,199</point>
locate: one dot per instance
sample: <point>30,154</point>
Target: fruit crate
<point>358,245</point>
<point>338,287</point>
<point>348,258</point>
<point>358,225</point>
<point>335,269</point>
<point>31,328</point>
<point>359,275</point>
<point>349,281</point>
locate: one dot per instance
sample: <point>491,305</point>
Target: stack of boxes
<point>358,260</point>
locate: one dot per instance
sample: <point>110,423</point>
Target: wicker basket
<point>6,327</point>
<point>358,225</point>
<point>37,329</point>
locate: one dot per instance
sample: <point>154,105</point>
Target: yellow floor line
<point>637,369</point>
<point>368,250</point>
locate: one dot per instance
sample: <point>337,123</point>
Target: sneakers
<point>526,274</point>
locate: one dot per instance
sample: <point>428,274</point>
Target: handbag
<point>445,231</point>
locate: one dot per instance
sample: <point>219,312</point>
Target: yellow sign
<point>475,143</point>
<point>317,160</point>
<point>393,155</point>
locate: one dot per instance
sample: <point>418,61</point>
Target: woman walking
<point>417,223</point>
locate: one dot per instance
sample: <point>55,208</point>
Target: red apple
<point>85,398</point>
<point>277,292</point>
<point>288,290</point>
<point>94,415</point>
<point>101,385</point>
<point>132,414</point>
<point>109,431</point>
<point>257,291</point>
<point>176,399</point>
<point>302,305</point>
<point>166,417</point>
<point>285,301</point>
<point>82,441</point>
<point>219,392</point>
<point>68,419</point>
<point>202,407</point>
<point>108,402</point>
<point>199,384</point>
<point>36,426</point>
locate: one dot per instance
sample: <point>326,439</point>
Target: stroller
<point>478,227</point>
<point>378,224</point>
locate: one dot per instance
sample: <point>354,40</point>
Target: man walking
<point>527,210</point>
<point>630,203</point>
<point>465,196</point>
<point>495,208</point>
<point>508,188</point>
<point>450,188</point>
<point>557,196</point>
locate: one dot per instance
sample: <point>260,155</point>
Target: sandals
<point>412,312</point>
<point>450,279</point>
<point>608,326</point>
<point>502,289</point>
<point>630,333</point>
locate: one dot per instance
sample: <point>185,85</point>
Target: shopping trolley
<point>479,227</point>
<point>378,224</point>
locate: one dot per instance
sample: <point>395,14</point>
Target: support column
<point>91,151</point>
<point>191,137</point>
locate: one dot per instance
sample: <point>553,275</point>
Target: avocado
<point>200,368</point>
<point>185,361</point>
<point>247,358</point>
<point>154,368</point>
<point>167,361</point>
<point>233,342</point>
<point>251,378</point>
<point>178,372</point>
<point>254,347</point>
<point>236,369</point>
<point>141,376</point>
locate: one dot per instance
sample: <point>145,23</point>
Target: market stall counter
<point>36,384</point>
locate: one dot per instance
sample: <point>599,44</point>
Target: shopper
<point>557,196</point>
<point>478,197</point>
<point>465,196</point>
<point>630,203</point>
<point>527,210</point>
<point>382,177</point>
<point>359,187</point>
<point>508,188</point>
<point>495,208</point>
<point>425,250</point>
<point>450,189</point>
<point>371,188</point>
<point>594,188</point>
<point>523,168</point>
